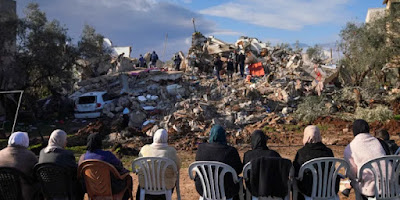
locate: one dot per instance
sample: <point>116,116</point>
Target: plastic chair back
<point>397,152</point>
<point>325,172</point>
<point>211,174</point>
<point>56,181</point>
<point>154,170</point>
<point>10,184</point>
<point>386,172</point>
<point>97,177</point>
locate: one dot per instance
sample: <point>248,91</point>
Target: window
<point>107,97</point>
<point>87,100</point>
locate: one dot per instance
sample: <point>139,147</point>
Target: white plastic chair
<point>397,152</point>
<point>246,177</point>
<point>386,171</point>
<point>153,170</point>
<point>324,180</point>
<point>211,174</point>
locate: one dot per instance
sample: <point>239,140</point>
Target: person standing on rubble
<point>241,60</point>
<point>236,60</point>
<point>153,59</point>
<point>218,66</point>
<point>177,61</point>
<point>142,61</point>
<point>230,69</point>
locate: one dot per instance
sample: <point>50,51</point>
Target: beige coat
<point>23,160</point>
<point>164,152</point>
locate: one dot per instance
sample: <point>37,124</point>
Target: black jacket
<point>218,64</point>
<point>385,146</point>
<point>241,59</point>
<point>230,66</point>
<point>59,156</point>
<point>221,153</point>
<point>306,153</point>
<point>392,146</point>
<point>269,177</point>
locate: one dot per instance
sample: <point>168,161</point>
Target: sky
<point>144,24</point>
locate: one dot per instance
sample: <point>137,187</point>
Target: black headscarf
<point>360,126</point>
<point>259,140</point>
<point>94,142</point>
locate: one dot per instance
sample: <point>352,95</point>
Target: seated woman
<point>313,148</point>
<point>362,148</point>
<point>218,150</point>
<point>55,153</point>
<point>16,155</point>
<point>94,151</point>
<point>259,147</point>
<point>160,148</point>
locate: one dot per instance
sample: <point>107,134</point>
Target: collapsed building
<point>188,103</point>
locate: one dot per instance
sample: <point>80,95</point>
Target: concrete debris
<point>187,103</point>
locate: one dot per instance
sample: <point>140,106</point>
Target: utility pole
<point>194,25</point>
<point>165,45</point>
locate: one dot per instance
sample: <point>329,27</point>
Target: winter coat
<point>308,152</point>
<point>363,148</point>
<point>163,152</point>
<point>23,160</point>
<point>221,153</point>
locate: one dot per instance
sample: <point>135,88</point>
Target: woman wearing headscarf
<point>313,148</point>
<point>55,153</point>
<point>217,149</point>
<point>362,148</point>
<point>94,151</point>
<point>16,155</point>
<point>160,148</point>
<point>259,147</point>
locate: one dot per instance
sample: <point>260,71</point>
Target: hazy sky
<point>143,24</point>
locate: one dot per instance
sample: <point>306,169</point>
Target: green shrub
<point>310,109</point>
<point>379,113</point>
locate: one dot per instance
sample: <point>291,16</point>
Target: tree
<point>8,24</point>
<point>91,43</point>
<point>91,47</point>
<point>367,52</point>
<point>297,47</point>
<point>43,55</point>
<point>315,53</point>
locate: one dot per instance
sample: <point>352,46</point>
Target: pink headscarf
<point>311,135</point>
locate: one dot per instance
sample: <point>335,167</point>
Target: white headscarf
<point>57,140</point>
<point>160,138</point>
<point>311,135</point>
<point>19,139</point>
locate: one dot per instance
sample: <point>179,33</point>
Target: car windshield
<point>87,100</point>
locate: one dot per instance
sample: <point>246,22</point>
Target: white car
<point>90,105</point>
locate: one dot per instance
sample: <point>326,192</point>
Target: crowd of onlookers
<point>361,149</point>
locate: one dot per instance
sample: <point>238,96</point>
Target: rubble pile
<point>188,103</point>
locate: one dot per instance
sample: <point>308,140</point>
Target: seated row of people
<point>364,147</point>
